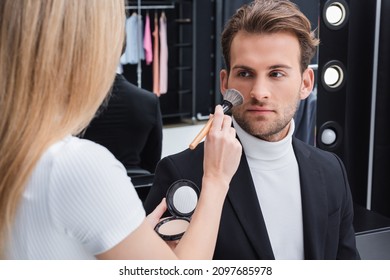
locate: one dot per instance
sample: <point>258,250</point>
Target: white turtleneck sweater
<point>275,174</point>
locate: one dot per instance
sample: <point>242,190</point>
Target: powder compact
<point>181,198</point>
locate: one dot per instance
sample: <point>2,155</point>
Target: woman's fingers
<point>154,217</point>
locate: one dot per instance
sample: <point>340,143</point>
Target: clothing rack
<point>140,7</point>
<point>151,7</point>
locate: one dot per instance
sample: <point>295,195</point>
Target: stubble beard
<point>263,128</point>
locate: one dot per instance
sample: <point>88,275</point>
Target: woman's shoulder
<point>72,147</point>
<point>81,157</point>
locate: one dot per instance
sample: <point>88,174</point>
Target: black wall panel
<point>346,109</point>
<point>358,111</point>
<point>381,158</point>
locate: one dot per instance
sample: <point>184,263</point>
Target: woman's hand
<point>222,152</point>
<point>154,217</point>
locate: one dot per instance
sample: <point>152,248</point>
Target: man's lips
<point>259,110</point>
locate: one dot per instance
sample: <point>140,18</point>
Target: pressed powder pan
<point>182,198</point>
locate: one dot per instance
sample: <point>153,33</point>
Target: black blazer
<point>130,126</point>
<point>326,204</point>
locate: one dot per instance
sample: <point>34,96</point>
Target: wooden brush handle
<point>202,133</point>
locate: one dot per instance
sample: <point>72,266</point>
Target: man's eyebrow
<point>285,66</point>
<point>272,67</point>
<point>242,67</point>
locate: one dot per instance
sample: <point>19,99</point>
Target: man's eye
<point>243,74</point>
<point>276,74</point>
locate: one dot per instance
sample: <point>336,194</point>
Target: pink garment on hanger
<point>148,41</point>
<point>163,54</point>
<point>156,67</point>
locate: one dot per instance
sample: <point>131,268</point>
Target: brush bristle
<point>233,96</point>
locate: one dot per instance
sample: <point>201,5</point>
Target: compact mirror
<point>182,198</point>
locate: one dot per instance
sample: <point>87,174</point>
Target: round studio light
<point>333,75</point>
<point>335,14</point>
<point>328,136</point>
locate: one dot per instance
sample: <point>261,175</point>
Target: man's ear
<point>307,83</point>
<point>223,78</point>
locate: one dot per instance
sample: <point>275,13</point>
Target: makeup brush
<point>232,97</point>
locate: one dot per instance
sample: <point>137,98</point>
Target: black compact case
<point>181,198</point>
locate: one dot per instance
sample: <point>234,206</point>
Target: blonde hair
<point>58,61</point>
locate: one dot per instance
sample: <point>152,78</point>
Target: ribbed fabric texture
<point>78,203</point>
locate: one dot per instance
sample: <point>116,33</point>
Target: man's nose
<point>260,89</point>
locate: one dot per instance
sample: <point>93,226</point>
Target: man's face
<point>265,68</point>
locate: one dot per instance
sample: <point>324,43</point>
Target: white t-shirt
<point>79,202</point>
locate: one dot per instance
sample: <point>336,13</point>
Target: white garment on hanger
<point>134,47</point>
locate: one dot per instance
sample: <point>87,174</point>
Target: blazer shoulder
<point>124,89</point>
<point>188,154</point>
<point>302,148</point>
<point>184,162</point>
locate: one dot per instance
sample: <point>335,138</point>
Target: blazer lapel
<point>314,203</point>
<point>243,198</point>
